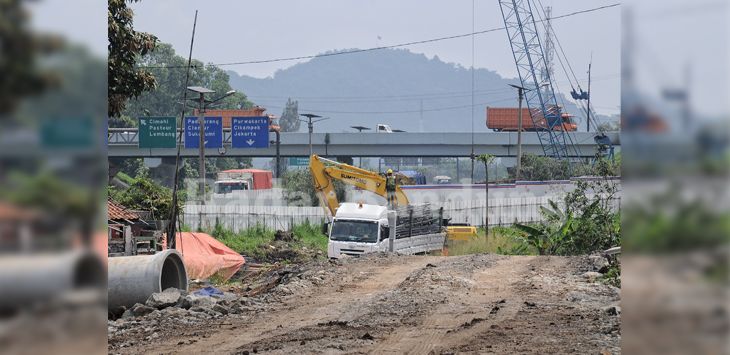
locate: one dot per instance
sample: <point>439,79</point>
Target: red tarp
<point>205,256</point>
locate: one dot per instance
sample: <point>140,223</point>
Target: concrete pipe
<point>31,279</point>
<point>132,279</point>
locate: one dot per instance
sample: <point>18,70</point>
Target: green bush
<point>668,223</point>
<point>501,240</point>
<point>310,235</point>
<point>245,242</point>
<point>252,241</point>
<point>587,222</point>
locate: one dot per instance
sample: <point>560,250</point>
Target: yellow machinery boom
<point>324,171</point>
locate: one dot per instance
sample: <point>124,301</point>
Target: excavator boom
<point>325,171</point>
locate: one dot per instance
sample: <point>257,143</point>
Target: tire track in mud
<point>470,310</point>
<point>558,312</point>
<point>398,320</point>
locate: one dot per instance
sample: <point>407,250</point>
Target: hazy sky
<point>672,35</point>
<point>231,31</point>
<point>669,33</point>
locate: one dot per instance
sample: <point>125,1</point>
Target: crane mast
<point>535,76</point>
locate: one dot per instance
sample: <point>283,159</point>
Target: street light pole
<point>310,125</point>
<point>201,149</point>
<point>520,96</point>
<point>311,130</point>
<point>202,105</point>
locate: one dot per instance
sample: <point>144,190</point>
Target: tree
<point>610,126</point>
<point>214,165</point>
<point>299,188</point>
<point>487,159</point>
<point>20,50</point>
<point>170,70</point>
<point>541,168</point>
<point>145,194</point>
<point>62,200</point>
<point>126,45</point>
<point>289,120</point>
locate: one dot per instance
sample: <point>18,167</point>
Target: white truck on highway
<point>359,228</point>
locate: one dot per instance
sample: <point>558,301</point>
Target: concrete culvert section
<point>30,279</point>
<point>173,273</point>
<point>132,279</point>
<point>88,272</point>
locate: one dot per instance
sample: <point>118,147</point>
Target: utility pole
<point>520,96</point>
<point>473,30</point>
<point>173,210</point>
<point>588,108</point>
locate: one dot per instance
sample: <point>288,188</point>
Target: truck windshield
<point>354,231</point>
<point>228,187</point>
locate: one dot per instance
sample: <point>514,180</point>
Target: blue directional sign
<point>213,132</point>
<point>250,132</point>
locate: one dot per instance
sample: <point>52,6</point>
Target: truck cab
<point>357,229</point>
<point>383,128</point>
<point>441,180</point>
<point>230,186</point>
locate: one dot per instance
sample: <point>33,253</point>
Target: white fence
<point>239,217</point>
<point>502,212</point>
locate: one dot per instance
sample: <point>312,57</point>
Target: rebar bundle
<point>416,220</point>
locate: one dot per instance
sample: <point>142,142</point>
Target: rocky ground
<point>388,304</point>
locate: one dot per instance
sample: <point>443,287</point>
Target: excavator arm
<point>325,171</point>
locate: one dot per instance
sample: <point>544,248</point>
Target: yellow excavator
<point>325,171</point>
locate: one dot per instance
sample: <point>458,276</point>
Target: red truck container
<point>505,119</point>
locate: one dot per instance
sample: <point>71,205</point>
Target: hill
<point>407,90</point>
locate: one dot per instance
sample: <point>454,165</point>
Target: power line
<point>353,51</point>
<point>445,108</point>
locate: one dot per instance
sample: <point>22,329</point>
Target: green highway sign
<point>157,132</point>
<point>67,132</point>
<point>298,161</point>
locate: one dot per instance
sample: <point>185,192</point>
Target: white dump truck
<point>359,228</point>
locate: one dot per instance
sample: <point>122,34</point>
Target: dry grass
<point>501,240</point>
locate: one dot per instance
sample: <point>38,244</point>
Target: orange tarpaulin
<point>205,256</point>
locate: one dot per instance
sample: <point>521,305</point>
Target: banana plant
<point>549,238</point>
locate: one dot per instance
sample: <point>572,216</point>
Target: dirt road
<point>409,304</point>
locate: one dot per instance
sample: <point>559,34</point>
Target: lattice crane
<point>536,78</point>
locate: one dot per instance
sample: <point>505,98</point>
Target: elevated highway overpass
<point>124,143</point>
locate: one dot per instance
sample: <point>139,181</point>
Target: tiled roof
<point>117,211</point>
<point>9,212</point>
